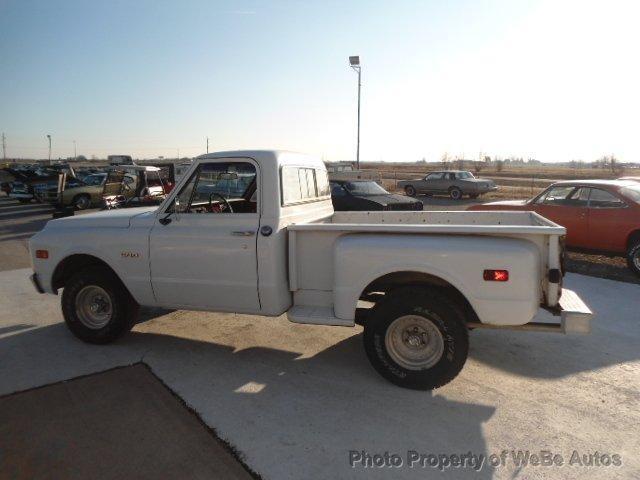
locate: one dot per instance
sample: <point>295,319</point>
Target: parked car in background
<point>363,195</point>
<point>599,215</point>
<point>133,185</point>
<point>454,183</point>
<point>87,194</point>
<point>20,191</point>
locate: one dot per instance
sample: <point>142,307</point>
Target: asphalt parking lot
<point>300,401</point>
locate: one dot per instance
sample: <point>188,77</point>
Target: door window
<point>434,176</point>
<point>556,195</point>
<point>603,199</point>
<point>227,187</point>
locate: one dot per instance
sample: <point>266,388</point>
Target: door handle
<point>247,233</point>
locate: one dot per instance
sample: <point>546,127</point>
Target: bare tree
<point>499,165</point>
<point>478,166</point>
<point>445,160</point>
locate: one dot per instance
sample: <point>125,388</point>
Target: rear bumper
<point>36,283</point>
<point>575,318</point>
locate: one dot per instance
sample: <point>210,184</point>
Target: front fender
<point>125,251</point>
<point>458,260</point>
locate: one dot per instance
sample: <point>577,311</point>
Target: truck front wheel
<point>416,338</point>
<point>97,307</point>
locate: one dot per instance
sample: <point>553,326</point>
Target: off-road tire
<point>124,307</point>
<point>410,191</point>
<point>436,307</point>
<point>633,257</point>
<point>81,202</point>
<point>455,193</point>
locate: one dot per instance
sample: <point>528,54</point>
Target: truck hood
<point>117,218</point>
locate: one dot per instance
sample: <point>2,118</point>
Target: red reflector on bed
<point>44,254</point>
<point>496,275</point>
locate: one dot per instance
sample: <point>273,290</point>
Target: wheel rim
<point>94,307</point>
<point>636,259</point>
<point>82,203</point>
<point>455,194</point>
<point>414,342</point>
<point>411,191</point>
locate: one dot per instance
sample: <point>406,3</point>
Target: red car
<point>599,215</point>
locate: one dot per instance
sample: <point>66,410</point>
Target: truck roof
<point>279,157</point>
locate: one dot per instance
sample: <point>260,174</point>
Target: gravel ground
<point>613,268</point>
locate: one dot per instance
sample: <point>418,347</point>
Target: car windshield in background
<point>365,188</point>
<point>95,179</point>
<point>632,192</point>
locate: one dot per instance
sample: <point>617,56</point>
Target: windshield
<point>632,192</point>
<point>365,188</point>
<point>95,179</point>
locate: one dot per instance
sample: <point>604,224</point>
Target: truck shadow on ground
<point>289,415</point>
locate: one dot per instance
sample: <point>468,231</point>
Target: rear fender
<point>457,260</point>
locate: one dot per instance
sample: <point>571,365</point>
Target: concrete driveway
<point>294,400</point>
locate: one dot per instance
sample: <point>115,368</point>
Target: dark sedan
<point>366,195</point>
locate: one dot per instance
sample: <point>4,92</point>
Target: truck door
<point>203,245</point>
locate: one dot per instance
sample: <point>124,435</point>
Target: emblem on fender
<point>129,254</point>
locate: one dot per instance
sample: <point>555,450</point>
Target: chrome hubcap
<point>414,342</point>
<point>94,307</point>
<point>636,259</point>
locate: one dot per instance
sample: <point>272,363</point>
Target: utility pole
<point>207,144</point>
<point>354,62</point>
<point>75,153</point>
<point>49,137</point>
<point>4,146</point>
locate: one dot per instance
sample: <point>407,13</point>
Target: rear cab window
<point>304,184</point>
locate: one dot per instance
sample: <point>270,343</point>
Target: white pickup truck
<point>254,232</point>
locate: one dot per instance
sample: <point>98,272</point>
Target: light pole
<point>207,144</point>
<point>75,152</point>
<point>354,62</point>
<point>49,137</point>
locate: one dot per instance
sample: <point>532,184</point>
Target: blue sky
<point>554,80</point>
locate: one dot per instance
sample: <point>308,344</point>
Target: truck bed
<point>316,249</point>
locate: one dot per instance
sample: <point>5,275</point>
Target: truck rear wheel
<point>97,307</point>
<point>416,338</point>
